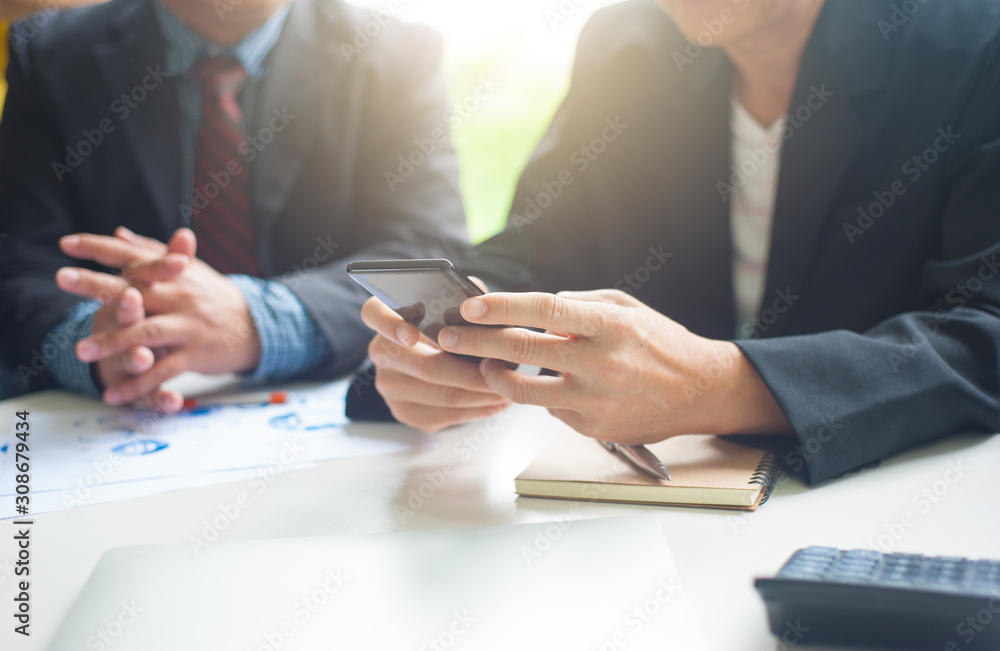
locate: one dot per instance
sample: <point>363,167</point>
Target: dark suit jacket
<point>319,188</point>
<point>877,332</point>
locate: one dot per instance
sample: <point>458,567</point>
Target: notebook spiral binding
<point>766,474</point>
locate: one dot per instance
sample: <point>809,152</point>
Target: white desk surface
<point>718,552</point>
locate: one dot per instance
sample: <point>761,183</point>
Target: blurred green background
<point>524,48</point>
<point>495,141</point>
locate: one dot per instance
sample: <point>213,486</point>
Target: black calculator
<point>864,597</point>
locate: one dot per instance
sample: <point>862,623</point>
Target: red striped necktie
<point>221,209</point>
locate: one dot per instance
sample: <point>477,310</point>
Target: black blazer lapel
<point>664,183</point>
<point>147,107</point>
<point>704,277</point>
<point>824,116</point>
<point>304,68</point>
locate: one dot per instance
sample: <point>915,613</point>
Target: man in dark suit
<point>837,279</point>
<point>215,165</point>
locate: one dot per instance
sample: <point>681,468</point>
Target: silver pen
<point>640,457</point>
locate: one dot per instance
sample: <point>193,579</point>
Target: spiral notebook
<point>704,471</point>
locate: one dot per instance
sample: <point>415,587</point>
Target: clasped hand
<point>166,313</point>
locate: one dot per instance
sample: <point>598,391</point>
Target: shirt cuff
<point>65,368</point>
<point>290,342</point>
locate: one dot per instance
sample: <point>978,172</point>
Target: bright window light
<point>522,51</point>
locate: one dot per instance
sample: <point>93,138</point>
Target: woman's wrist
<point>744,404</point>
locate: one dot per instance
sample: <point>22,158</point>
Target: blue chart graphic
<point>290,421</point>
<point>305,422</point>
<point>311,428</point>
<point>139,447</point>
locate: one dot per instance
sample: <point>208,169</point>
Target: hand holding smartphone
<point>427,293</point>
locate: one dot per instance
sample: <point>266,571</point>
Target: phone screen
<point>427,293</point>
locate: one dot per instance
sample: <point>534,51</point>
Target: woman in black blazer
<point>877,322</point>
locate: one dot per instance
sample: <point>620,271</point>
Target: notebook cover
<point>728,474</point>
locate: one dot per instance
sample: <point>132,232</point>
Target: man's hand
<point>423,386</point>
<point>123,310</point>
<point>123,306</point>
<point>624,372</point>
<point>197,317</point>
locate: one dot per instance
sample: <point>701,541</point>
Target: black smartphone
<point>427,293</point>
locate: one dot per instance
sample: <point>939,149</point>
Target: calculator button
<point>862,554</point>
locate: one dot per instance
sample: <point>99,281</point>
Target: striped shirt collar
<point>185,46</point>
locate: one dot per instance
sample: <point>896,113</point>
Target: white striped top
<point>755,154</point>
